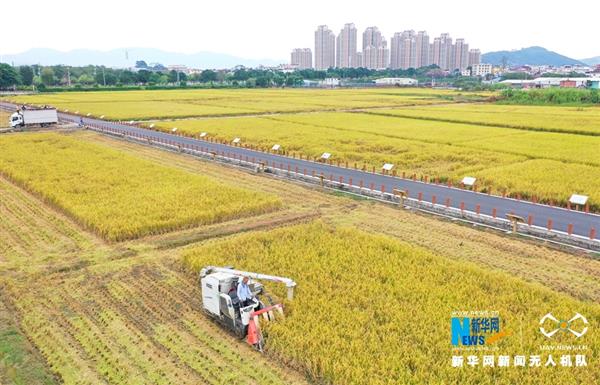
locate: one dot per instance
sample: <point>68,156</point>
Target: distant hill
<point>592,61</point>
<point>126,57</point>
<point>531,56</point>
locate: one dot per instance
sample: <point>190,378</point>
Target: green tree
<point>208,76</point>
<point>26,73</point>
<point>60,73</point>
<point>174,76</point>
<point>279,79</point>
<point>163,79</point>
<point>263,81</point>
<point>154,78</point>
<point>143,76</point>
<point>85,79</point>
<point>293,80</point>
<point>221,76</point>
<point>8,76</point>
<point>127,77</point>
<point>47,76</point>
<point>111,78</point>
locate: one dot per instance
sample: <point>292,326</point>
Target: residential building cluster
<point>408,49</point>
<point>302,58</point>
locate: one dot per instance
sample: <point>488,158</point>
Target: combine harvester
<point>220,301</point>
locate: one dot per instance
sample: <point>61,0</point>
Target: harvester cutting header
<point>231,297</point>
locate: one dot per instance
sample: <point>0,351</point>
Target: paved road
<point>561,218</point>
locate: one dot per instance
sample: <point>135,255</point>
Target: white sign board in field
<point>469,181</point>
<point>203,134</point>
<point>174,129</point>
<point>236,140</point>
<point>276,147</point>
<point>388,167</point>
<point>578,199</point>
<point>152,125</point>
<point>326,155</point>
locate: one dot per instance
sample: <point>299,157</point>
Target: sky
<point>269,29</point>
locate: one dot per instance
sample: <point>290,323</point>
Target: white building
<point>178,68</point>
<point>330,82</point>
<point>396,82</point>
<point>481,69</point>
<point>543,82</point>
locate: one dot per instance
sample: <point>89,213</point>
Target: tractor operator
<point>244,293</point>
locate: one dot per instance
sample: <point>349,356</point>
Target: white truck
<point>29,116</point>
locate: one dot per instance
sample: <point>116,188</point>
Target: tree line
<point>67,77</point>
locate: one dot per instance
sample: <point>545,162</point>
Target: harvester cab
<point>220,301</point>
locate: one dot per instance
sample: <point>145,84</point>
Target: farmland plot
<point>129,323</point>
<point>582,120</point>
<point>32,234</point>
<point>120,196</point>
<point>371,310</point>
<point>4,116</point>
<point>449,151</point>
<point>559,270</point>
<point>141,105</point>
<point>350,140</point>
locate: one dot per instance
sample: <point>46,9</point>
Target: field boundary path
<point>560,224</point>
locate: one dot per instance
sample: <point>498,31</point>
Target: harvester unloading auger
<point>220,301</point>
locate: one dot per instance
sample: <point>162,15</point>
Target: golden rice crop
<point>4,116</point>
<point>584,120</point>
<point>438,149</point>
<point>371,310</point>
<point>429,141</point>
<point>118,195</point>
<point>135,324</point>
<point>370,144</point>
<point>185,103</point>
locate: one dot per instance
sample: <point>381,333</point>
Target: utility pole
<point>103,76</point>
<point>69,76</point>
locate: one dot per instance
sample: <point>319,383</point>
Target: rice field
<point>581,120</point>
<point>144,105</point>
<point>42,236</point>
<point>369,309</point>
<point>4,116</point>
<point>117,195</point>
<point>133,323</point>
<point>448,151</point>
<point>421,131</point>
<point>372,310</point>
